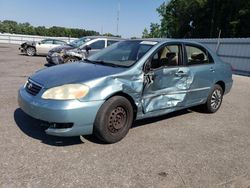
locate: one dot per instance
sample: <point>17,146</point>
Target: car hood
<point>63,47</point>
<point>31,43</point>
<point>78,72</point>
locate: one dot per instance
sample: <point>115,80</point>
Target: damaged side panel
<point>79,54</point>
<point>161,91</point>
<point>166,89</point>
<point>130,83</point>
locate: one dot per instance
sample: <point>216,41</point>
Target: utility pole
<point>118,18</point>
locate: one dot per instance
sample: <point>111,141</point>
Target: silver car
<point>79,49</point>
<point>129,80</point>
<point>40,48</point>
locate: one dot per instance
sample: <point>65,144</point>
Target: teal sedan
<point>127,81</point>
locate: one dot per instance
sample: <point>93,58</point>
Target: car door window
<point>47,42</point>
<point>58,42</point>
<point>168,55</point>
<point>197,56</point>
<point>97,45</point>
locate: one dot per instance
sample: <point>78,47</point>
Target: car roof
<point>106,37</point>
<point>159,40</point>
<point>53,39</point>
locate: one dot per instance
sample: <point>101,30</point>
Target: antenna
<point>118,18</point>
<point>218,42</point>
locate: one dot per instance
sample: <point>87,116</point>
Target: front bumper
<point>55,60</point>
<point>22,50</point>
<point>81,114</point>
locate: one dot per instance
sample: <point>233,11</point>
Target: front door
<point>44,46</point>
<point>165,84</point>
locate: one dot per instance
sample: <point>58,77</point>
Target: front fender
<point>75,54</point>
<point>130,83</point>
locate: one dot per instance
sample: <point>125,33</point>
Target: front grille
<point>32,87</point>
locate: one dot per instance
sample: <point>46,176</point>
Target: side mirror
<point>147,66</point>
<point>87,48</point>
<point>39,43</point>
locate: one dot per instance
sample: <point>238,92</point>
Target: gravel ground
<point>182,149</point>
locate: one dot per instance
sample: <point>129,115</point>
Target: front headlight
<point>66,92</point>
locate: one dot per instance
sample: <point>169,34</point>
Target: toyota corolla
<point>129,80</point>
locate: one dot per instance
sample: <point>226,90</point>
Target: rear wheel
<point>30,51</point>
<point>214,99</point>
<point>71,59</point>
<point>113,119</point>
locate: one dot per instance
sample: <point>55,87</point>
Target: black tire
<point>113,120</point>
<point>214,100</point>
<point>71,59</point>
<point>30,51</point>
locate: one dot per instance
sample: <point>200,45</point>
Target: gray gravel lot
<point>183,149</point>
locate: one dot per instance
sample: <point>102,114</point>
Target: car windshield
<point>79,42</point>
<point>123,54</point>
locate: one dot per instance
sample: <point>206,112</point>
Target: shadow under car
<point>32,127</point>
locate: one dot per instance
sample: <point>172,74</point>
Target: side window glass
<point>47,42</point>
<point>196,56</point>
<point>110,42</point>
<point>43,41</point>
<point>59,42</point>
<point>166,56</point>
<point>100,44</point>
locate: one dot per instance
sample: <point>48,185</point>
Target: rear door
<point>165,83</point>
<point>202,68</point>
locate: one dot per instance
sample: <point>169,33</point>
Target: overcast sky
<point>98,15</point>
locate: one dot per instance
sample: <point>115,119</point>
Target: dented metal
<point>79,54</point>
<point>152,92</point>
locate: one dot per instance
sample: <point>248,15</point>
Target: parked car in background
<point>79,49</point>
<point>129,80</point>
<point>42,47</point>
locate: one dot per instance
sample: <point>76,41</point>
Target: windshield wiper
<point>108,63</point>
<point>101,62</point>
<point>89,61</point>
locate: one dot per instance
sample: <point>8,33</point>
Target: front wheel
<point>214,99</point>
<point>31,51</point>
<point>113,119</point>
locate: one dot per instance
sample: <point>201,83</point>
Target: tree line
<point>10,26</point>
<point>201,19</point>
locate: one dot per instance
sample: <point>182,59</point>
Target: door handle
<point>212,69</point>
<point>180,73</point>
